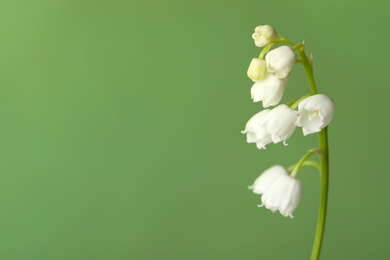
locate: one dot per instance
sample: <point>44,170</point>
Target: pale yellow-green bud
<point>257,69</point>
<point>264,34</point>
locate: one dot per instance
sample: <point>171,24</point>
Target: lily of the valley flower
<point>264,34</point>
<point>315,113</point>
<point>269,90</point>
<point>256,131</point>
<point>267,178</point>
<point>280,61</point>
<point>283,195</point>
<point>257,69</point>
<point>268,126</point>
<point>280,191</point>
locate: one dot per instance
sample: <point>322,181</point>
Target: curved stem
<point>294,105</point>
<point>265,50</point>
<point>281,38</point>
<point>270,45</point>
<point>298,46</point>
<point>323,138</point>
<point>299,164</point>
<point>306,163</point>
<point>312,163</point>
<point>284,41</point>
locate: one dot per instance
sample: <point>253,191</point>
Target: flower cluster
<point>278,124</point>
<point>270,75</point>
<point>279,190</point>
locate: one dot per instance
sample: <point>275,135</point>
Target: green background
<point>121,122</point>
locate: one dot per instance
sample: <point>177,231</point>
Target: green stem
<point>294,105</point>
<point>312,163</point>
<point>298,46</point>
<point>270,45</point>
<point>299,164</point>
<point>323,138</point>
<point>265,50</point>
<point>281,38</point>
<point>306,163</point>
<point>309,71</point>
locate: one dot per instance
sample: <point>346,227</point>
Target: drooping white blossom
<point>264,34</point>
<point>280,61</point>
<point>284,194</point>
<point>280,123</point>
<point>315,113</point>
<point>256,131</point>
<point>269,90</point>
<point>257,69</point>
<point>267,178</point>
<point>268,126</point>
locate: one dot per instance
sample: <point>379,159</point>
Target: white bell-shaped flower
<point>256,131</point>
<point>268,126</point>
<point>280,61</point>
<point>269,90</point>
<point>315,113</point>
<point>257,69</point>
<point>283,195</point>
<point>267,178</point>
<point>264,34</point>
<point>280,123</point>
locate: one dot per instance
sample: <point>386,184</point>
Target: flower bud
<point>264,34</point>
<point>280,61</point>
<point>257,69</point>
<point>315,113</point>
<point>269,91</point>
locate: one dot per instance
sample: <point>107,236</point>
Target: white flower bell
<point>280,61</point>
<point>269,90</point>
<point>315,113</point>
<point>256,131</point>
<point>268,126</point>
<point>264,34</point>
<point>280,123</point>
<point>284,195</point>
<point>267,178</point>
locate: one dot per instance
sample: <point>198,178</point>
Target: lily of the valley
<point>315,113</point>
<point>257,69</point>
<point>267,178</point>
<point>269,90</point>
<point>283,195</point>
<point>280,191</point>
<point>264,34</point>
<point>280,61</point>
<point>268,126</point>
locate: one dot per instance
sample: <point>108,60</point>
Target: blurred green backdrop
<point>121,122</point>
